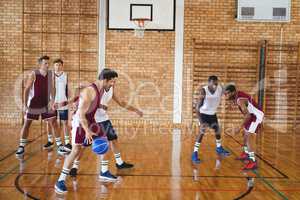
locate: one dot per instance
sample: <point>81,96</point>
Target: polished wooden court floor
<point>163,169</point>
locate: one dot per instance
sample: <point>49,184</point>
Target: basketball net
<point>139,29</point>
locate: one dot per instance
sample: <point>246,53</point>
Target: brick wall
<point>10,56</point>
<point>214,22</point>
<point>60,29</point>
<point>146,72</point>
<point>68,29</point>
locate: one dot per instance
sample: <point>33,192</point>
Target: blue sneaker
<point>107,177</point>
<point>220,150</point>
<point>60,187</point>
<point>195,158</point>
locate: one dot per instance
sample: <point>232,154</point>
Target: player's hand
<point>140,113</point>
<point>89,136</point>
<point>56,106</point>
<point>51,105</point>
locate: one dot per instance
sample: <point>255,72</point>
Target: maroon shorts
<point>78,133</point>
<point>35,115</point>
<point>252,124</point>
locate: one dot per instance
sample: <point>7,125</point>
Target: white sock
<point>104,166</point>
<point>118,158</point>
<point>252,156</point>
<point>245,149</point>
<point>50,138</point>
<point>218,143</point>
<point>23,142</point>
<point>196,146</point>
<point>76,164</point>
<point>58,141</point>
<point>67,139</point>
<point>63,175</point>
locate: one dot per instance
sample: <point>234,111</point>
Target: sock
<point>58,141</point>
<point>63,175</point>
<point>218,143</point>
<point>104,166</point>
<point>23,142</point>
<point>50,138</point>
<point>252,156</point>
<point>67,139</point>
<point>76,164</point>
<point>196,146</point>
<point>245,149</point>
<point>118,158</point>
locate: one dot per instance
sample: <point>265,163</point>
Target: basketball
<point>100,145</point>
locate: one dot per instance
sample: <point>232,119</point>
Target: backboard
<point>161,14</point>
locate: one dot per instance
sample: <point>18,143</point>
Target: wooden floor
<point>163,169</point>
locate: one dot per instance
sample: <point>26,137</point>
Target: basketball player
<point>84,125</point>
<point>61,95</point>
<point>39,100</point>
<point>253,117</point>
<point>208,102</point>
<point>104,122</point>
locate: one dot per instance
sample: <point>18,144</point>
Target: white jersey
<point>61,83</point>
<point>211,101</point>
<point>101,114</point>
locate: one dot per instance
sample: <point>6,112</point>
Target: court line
<point>263,180</point>
<point>13,152</point>
<point>155,175</point>
<point>18,165</point>
<point>249,190</point>
<point>271,186</point>
<point>261,158</point>
<point>154,188</point>
<point>21,190</point>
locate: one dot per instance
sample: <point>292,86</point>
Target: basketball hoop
<point>140,24</point>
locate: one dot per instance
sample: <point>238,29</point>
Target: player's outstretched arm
<point>124,104</point>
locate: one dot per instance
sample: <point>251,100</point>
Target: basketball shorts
<point>34,114</point>
<point>63,115</point>
<point>78,133</point>
<point>108,130</point>
<point>210,120</point>
<point>252,124</point>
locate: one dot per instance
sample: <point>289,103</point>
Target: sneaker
<point>68,147</point>
<point>48,145</point>
<point>251,165</point>
<point>60,187</point>
<point>20,151</point>
<point>195,158</point>
<point>243,156</point>
<point>73,172</point>
<point>124,165</point>
<point>107,177</point>
<point>61,150</point>
<point>222,151</point>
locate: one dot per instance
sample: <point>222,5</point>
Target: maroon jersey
<point>39,95</point>
<point>252,107</point>
<point>90,115</point>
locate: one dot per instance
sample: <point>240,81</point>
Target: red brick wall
<point>65,29</point>
<point>10,56</point>
<point>68,29</point>
<point>146,72</point>
<point>214,22</point>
